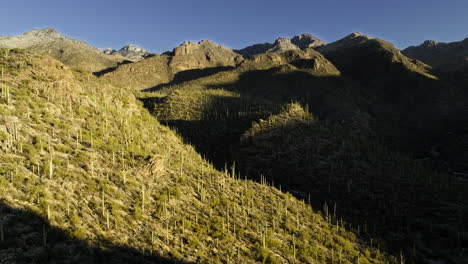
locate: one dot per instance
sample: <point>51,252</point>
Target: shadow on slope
<point>381,192</point>
<point>29,238</point>
<point>189,75</point>
<point>212,120</point>
<point>111,69</point>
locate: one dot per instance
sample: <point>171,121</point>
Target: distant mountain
<point>131,52</point>
<point>71,52</point>
<point>448,58</point>
<point>283,44</point>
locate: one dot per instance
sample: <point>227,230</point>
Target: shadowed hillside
<point>415,110</point>
<point>365,149</point>
<point>29,238</point>
<point>447,59</point>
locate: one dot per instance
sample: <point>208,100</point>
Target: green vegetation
<point>297,157</point>
<point>89,160</point>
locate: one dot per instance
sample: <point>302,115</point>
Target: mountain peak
<point>306,40</point>
<point>133,48</point>
<point>430,43</point>
<point>44,33</point>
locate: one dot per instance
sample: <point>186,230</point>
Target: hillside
<point>73,53</point>
<point>447,58</point>
<point>70,192</point>
<point>414,108</point>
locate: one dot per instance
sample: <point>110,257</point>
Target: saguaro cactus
<point>2,234</point>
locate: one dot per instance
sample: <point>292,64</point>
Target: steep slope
<point>69,51</point>
<point>187,61</point>
<point>140,189</point>
<point>447,58</point>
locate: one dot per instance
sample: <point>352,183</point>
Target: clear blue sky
<point>162,25</point>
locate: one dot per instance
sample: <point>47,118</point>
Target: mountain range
<point>296,151</point>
